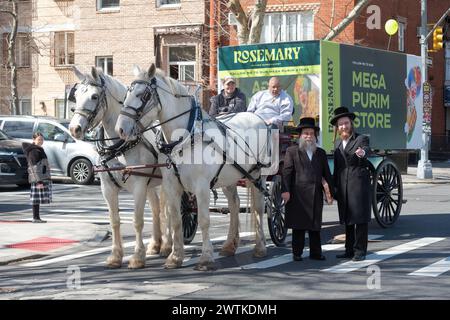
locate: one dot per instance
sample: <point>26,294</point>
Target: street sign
<point>427,107</point>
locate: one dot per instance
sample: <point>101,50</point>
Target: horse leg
<point>111,196</point>
<point>155,241</point>
<point>171,186</point>
<point>206,261</point>
<point>166,237</point>
<point>231,244</point>
<point>137,261</point>
<point>258,210</point>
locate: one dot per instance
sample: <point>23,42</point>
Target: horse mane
<point>175,86</point>
<point>114,82</point>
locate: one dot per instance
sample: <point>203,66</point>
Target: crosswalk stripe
<point>77,255</point>
<point>433,270</point>
<point>382,255</point>
<point>286,258</point>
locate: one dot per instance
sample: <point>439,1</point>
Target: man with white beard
<point>305,176</point>
<point>352,182</point>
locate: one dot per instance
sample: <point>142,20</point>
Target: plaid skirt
<point>41,196</point>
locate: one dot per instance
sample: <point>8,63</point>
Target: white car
<point>67,156</point>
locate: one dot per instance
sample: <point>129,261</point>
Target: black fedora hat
<point>341,112</point>
<point>307,122</point>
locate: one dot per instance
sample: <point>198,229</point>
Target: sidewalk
<point>440,170</point>
<point>23,240</point>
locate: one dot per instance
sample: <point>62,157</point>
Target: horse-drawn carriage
<point>319,75</point>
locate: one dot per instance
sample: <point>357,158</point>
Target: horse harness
<point>195,124</point>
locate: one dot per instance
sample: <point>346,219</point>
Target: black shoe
<point>321,257</point>
<point>344,256</point>
<point>297,258</point>
<point>359,258</point>
<point>39,221</point>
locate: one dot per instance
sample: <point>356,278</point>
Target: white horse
<point>98,103</point>
<point>156,97</point>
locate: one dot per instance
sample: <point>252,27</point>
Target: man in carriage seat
<point>306,177</point>
<point>229,100</point>
<point>274,105</point>
<point>352,182</point>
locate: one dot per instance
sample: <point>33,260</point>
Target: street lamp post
<point>424,169</point>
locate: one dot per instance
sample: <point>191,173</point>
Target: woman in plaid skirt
<point>38,174</point>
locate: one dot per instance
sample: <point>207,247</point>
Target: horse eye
<point>94,97</point>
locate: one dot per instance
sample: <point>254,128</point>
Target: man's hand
<point>286,196</point>
<point>360,152</point>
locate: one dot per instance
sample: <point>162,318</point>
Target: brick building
<point>116,34</point>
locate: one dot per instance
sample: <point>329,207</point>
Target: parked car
<point>67,156</point>
<point>13,164</point>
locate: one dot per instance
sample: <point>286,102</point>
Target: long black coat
<point>302,178</point>
<point>352,180</point>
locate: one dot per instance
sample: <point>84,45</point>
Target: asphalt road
<point>409,261</point>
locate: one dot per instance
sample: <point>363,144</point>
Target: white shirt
<point>275,109</point>
<point>310,154</point>
<point>344,143</point>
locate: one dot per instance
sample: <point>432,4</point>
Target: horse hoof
<point>165,251</point>
<point>153,248</point>
<point>114,262</point>
<point>207,266</point>
<point>172,265</point>
<point>260,253</point>
<point>136,264</point>
<point>226,253</point>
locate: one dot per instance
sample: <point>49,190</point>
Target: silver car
<point>67,156</point>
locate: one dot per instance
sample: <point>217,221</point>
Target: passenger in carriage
<point>229,100</point>
<point>306,177</point>
<point>274,105</point>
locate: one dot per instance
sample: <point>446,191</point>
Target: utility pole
<point>424,169</point>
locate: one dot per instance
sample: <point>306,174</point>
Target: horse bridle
<point>101,103</point>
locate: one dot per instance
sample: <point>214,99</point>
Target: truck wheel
<point>81,172</point>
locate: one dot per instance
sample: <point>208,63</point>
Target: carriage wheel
<point>387,193</point>
<point>189,217</point>
<point>276,218</point>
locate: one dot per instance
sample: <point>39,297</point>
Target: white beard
<point>307,145</point>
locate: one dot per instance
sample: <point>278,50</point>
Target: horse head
<point>141,105</point>
<point>90,101</point>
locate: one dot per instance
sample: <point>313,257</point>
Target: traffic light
<point>438,38</point>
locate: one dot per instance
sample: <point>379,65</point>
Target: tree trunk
<point>257,21</point>
<point>12,57</point>
<point>243,23</point>
<point>344,23</point>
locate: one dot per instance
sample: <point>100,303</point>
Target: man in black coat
<point>304,174</point>
<point>352,182</point>
<point>229,100</point>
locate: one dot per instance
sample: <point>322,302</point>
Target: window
<point>108,4</point>
<point>182,63</point>
<point>287,26</point>
<point>64,48</point>
<point>22,51</point>
<point>60,109</point>
<point>401,36</point>
<point>19,129</point>
<point>160,3</point>
<point>49,131</point>
<point>106,63</point>
<point>25,107</point>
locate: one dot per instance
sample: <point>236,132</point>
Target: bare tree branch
<point>344,23</point>
<point>242,19</point>
<point>257,19</point>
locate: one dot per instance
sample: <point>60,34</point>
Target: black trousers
<point>356,238</point>
<point>36,211</point>
<point>298,242</point>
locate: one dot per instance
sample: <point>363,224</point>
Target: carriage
<point>383,88</point>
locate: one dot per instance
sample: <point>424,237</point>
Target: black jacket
<point>352,181</point>
<point>222,104</point>
<point>302,178</point>
<point>38,167</point>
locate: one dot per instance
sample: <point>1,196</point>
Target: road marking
<point>286,258</point>
<point>433,270</point>
<point>77,255</point>
<point>382,255</point>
